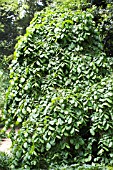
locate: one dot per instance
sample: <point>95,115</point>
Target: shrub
<point>60,93</point>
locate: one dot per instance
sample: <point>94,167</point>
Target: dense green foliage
<point>61,92</point>
<point>15,16</point>
<point>83,167</point>
<point>3,86</point>
<point>4,161</point>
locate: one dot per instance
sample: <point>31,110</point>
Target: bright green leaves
<point>22,80</point>
<point>18,154</point>
<point>92,131</point>
<point>25,145</point>
<point>61,92</point>
<point>19,119</point>
<point>70,120</point>
<point>48,146</point>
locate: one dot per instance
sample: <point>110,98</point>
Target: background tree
<point>15,16</point>
<point>8,33</point>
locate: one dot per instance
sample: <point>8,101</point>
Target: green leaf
<point>68,127</point>
<point>51,128</point>
<point>18,154</point>
<point>88,159</point>
<point>26,134</point>
<point>109,100</point>
<point>19,119</point>
<point>77,146</point>
<point>106,104</point>
<point>25,145</point>
<point>101,151</point>
<point>48,146</point>
<point>68,82</point>
<point>72,141</point>
<point>22,80</point>
<point>70,120</point>
<point>52,122</point>
<point>67,146</point>
<point>92,132</point>
<point>62,36</point>
<point>60,122</point>
<point>72,131</point>
<point>110,144</point>
<point>29,109</point>
<point>56,30</point>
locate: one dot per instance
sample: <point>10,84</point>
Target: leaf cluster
<point>4,161</point>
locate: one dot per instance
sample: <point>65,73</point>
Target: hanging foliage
<point>60,93</point>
